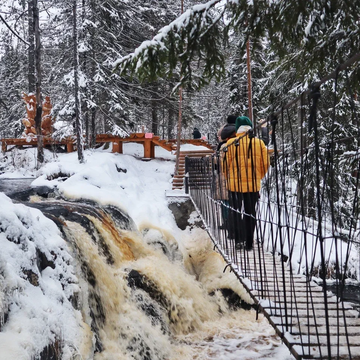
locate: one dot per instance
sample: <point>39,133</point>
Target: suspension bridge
<point>307,219</point>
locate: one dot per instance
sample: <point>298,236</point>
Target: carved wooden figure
<point>29,121</point>
<point>46,119</point>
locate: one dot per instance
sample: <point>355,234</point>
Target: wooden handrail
<point>149,143</point>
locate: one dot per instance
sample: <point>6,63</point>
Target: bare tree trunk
<point>154,117</point>
<point>31,48</point>
<point>40,142</point>
<point>93,132</point>
<point>87,127</point>
<point>78,123</point>
<point>92,141</point>
<point>170,124</point>
<point>84,105</point>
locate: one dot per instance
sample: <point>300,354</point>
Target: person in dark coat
<point>230,123</point>
<point>264,133</point>
<point>225,133</point>
<point>231,119</point>
<point>196,133</point>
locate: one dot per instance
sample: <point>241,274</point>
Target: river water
<point>351,293</point>
<point>10,186</point>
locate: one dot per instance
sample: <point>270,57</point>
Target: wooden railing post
<point>69,146</point>
<point>3,146</point>
<point>152,150</point>
<point>149,149</point>
<point>117,147</point>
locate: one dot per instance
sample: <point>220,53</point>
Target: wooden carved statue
<point>29,121</point>
<point>46,121</point>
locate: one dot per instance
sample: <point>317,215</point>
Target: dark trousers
<point>242,223</point>
<point>225,211</point>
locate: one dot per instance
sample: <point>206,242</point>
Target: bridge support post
<point>117,147</point>
<point>149,149</point>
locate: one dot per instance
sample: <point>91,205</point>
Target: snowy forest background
<point>282,33</point>
<point>117,66</point>
<point>110,103</point>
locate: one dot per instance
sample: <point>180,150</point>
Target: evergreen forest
<point>116,66</point>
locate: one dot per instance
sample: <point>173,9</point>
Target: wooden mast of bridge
<point>248,62</point>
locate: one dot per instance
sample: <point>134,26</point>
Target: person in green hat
<point>247,162</point>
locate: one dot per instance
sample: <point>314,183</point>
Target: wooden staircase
<point>178,179</point>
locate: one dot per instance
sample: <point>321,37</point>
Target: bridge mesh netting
<point>306,220</point>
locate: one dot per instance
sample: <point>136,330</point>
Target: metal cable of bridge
<point>304,234</point>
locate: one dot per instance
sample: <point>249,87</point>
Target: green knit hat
<point>242,120</point>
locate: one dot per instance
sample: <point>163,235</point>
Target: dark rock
<point>151,309</point>
<point>4,316</point>
<point>97,314</point>
<point>21,195</point>
<point>137,280</point>
<point>59,176</point>
<point>234,300</point>
<point>121,219</point>
<point>43,191</point>
<point>88,273</point>
<point>24,195</point>
<point>31,277</point>
<point>138,344</point>
<point>51,352</point>
<point>182,211</point>
<point>169,248</point>
<point>42,261</point>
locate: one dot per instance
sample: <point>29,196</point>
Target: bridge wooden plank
<point>304,323</point>
<point>321,330</point>
<point>310,313</point>
<point>333,322</point>
<point>333,305</point>
<point>341,353</point>
<point>340,340</point>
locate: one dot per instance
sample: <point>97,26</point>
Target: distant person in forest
<point>247,162</point>
<point>196,133</point>
<point>264,132</point>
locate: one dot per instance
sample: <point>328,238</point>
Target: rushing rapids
<point>134,293</point>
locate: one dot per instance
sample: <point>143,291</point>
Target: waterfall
<point>130,293</point>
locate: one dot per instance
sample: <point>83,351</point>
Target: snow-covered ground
<point>139,188</point>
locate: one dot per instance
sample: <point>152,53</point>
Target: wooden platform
<point>148,140</point>
<point>32,141</point>
<point>301,323</point>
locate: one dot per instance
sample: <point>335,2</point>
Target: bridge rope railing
<point>306,215</point>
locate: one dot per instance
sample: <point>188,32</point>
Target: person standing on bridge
<point>225,133</point>
<point>247,162</point>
